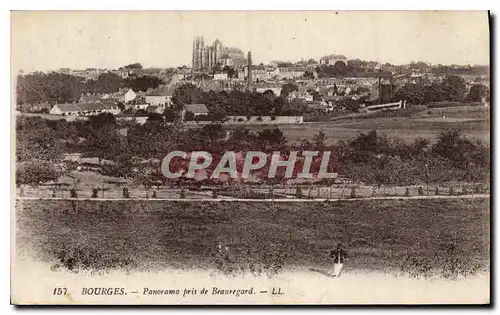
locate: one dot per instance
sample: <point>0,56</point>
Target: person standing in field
<point>338,256</point>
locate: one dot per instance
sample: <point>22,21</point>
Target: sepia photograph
<point>250,157</point>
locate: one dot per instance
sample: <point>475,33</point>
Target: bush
<point>464,190</point>
<point>452,190</point>
<point>273,117</point>
<point>353,192</point>
<point>73,193</point>
<point>34,172</point>
<point>88,258</point>
<point>95,192</point>
<point>126,194</point>
<point>240,119</point>
<point>407,192</point>
<point>214,194</point>
<point>420,191</point>
<point>259,118</point>
<point>436,192</point>
<point>416,266</point>
<point>478,189</point>
<point>154,194</point>
<point>298,192</point>
<point>183,194</point>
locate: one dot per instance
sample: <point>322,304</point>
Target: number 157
<point>60,291</point>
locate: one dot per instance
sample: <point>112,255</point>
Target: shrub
<point>259,118</point>
<point>452,190</point>
<point>73,193</point>
<point>407,192</point>
<point>478,189</point>
<point>154,194</point>
<point>353,192</point>
<point>126,194</point>
<point>183,194</point>
<point>240,119</point>
<point>436,192</point>
<point>95,192</point>
<point>88,258</point>
<point>214,194</point>
<point>298,192</point>
<point>420,191</point>
<point>273,117</point>
<point>416,266</point>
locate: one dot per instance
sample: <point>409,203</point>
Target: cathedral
<point>207,57</point>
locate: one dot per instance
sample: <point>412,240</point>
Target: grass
<point>378,235</point>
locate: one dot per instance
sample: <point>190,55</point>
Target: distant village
<point>330,85</point>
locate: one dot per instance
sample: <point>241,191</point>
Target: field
<point>428,123</point>
<point>438,237</point>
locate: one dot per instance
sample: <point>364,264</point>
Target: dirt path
<point>472,196</point>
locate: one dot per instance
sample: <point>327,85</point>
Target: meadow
<point>404,124</point>
<point>448,238</point>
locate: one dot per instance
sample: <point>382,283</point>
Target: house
<point>291,72</point>
<point>308,97</point>
<point>65,109</point>
<point>195,109</point>
<point>137,106</point>
<point>220,76</point>
<point>331,60</point>
<point>84,109</point>
<point>160,97</point>
<point>124,95</point>
<point>88,98</point>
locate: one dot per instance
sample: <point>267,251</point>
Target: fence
<point>253,192</point>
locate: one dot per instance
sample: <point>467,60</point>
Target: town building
<point>161,97</point>
<point>124,96</point>
<point>206,57</point>
<point>84,109</point>
<point>90,98</point>
<point>195,109</point>
<point>331,60</point>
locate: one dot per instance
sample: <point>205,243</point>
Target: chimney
<point>249,79</point>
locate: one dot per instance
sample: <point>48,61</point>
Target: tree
<point>271,137</point>
<point>320,139</point>
<point>231,72</point>
<point>34,172</point>
<point>106,83</point>
<point>39,139</point>
<point>412,93</point>
<point>477,93</point>
<point>269,94</point>
<point>454,88</point>
<point>170,114</point>
<point>137,66</point>
<point>186,94</point>
<point>287,89</point>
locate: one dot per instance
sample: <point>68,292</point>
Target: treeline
<point>452,89</point>
<point>52,88</point>
<point>240,102</point>
<point>370,158</point>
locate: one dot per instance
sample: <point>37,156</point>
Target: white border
<point>181,5</point>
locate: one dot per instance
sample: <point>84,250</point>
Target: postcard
<point>250,157</point>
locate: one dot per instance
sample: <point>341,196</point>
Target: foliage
<point>35,172</point>
<point>477,93</point>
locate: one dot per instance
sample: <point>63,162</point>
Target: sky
<point>48,40</point>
